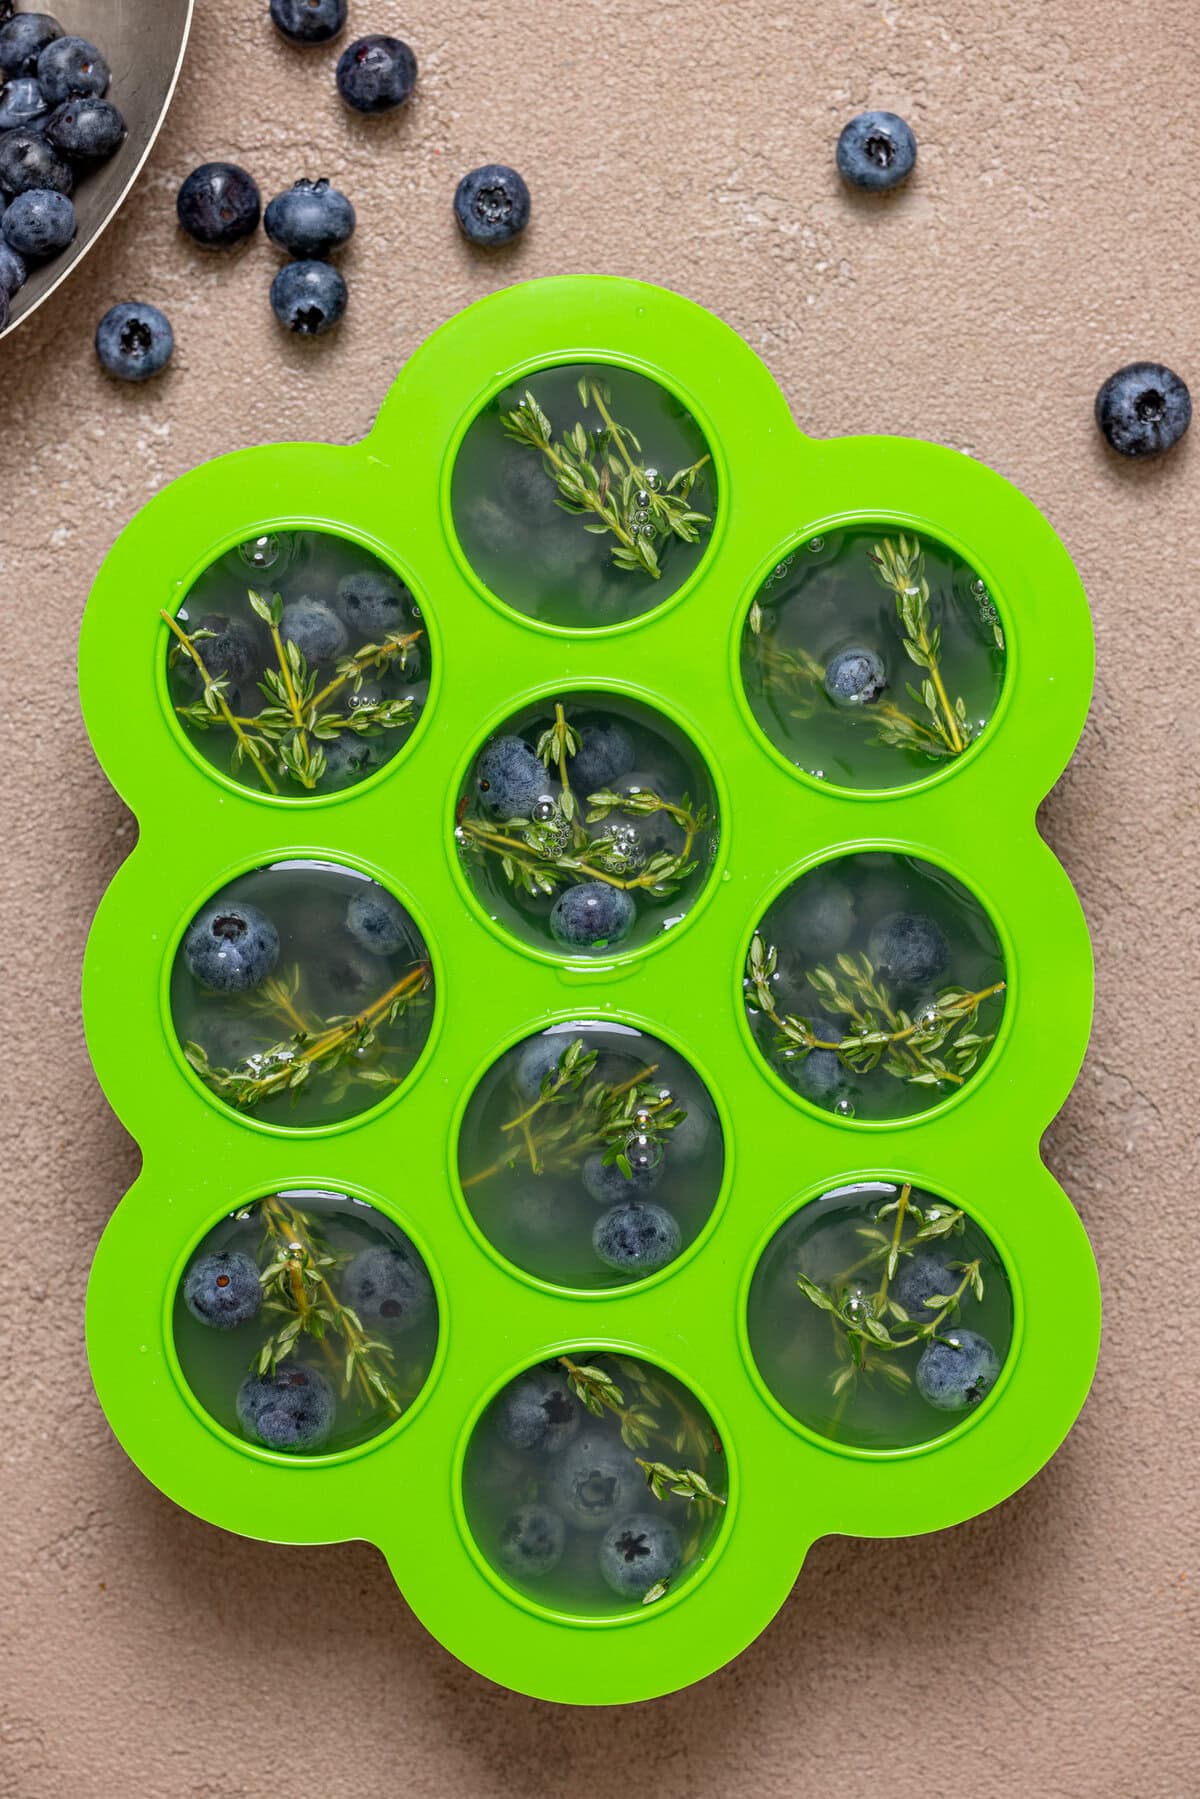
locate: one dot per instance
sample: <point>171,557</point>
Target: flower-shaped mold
<point>961,813</point>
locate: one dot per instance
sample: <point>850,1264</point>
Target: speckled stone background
<point>1047,1649</point>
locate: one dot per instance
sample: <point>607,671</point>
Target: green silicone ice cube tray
<point>956,823</point>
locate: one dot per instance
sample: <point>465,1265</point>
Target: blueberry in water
<point>510,779</point>
<point>87,130</point>
<point>22,102</point>
<point>919,1279</point>
<point>855,677</point>
<point>1143,409</point>
<point>376,73</point>
<point>492,205</point>
<point>27,161</point>
<point>821,1075</point>
<point>310,218</point>
<point>12,267</point>
<point>537,1061</point>
<point>39,223</point>
<point>532,1541</point>
<point>818,920</point>
<point>348,758</point>
<point>538,1412</point>
<point>877,150</point>
<point>688,1140</point>
<point>372,601</point>
<point>134,341</point>
<point>218,205</point>
<point>309,297</point>
<point>605,753</point>
<point>223,1290</point>
<point>638,1552</point>
<point>70,66</point>
<point>636,1239</point>
<point>343,979</point>
<point>609,1185</point>
<point>231,651</point>
<point>594,1481</point>
<point>389,1287</point>
<point>22,40</point>
<point>308,21</point>
<point>290,1409</point>
<point>908,949</point>
<point>230,947</point>
<point>315,629</point>
<point>957,1370</point>
<point>592,916</point>
<point>376,922</point>
<point>231,1040</point>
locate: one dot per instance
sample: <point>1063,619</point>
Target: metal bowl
<point>144,42</point>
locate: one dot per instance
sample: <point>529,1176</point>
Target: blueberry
<point>290,1409</point>
<point>134,341</point>
<point>12,267</point>
<point>349,758</point>
<point>688,1140</point>
<point>908,949</point>
<point>372,601</point>
<point>605,753</point>
<point>22,40</point>
<point>818,919</point>
<point>309,297</point>
<point>27,161</point>
<point>231,652</point>
<point>310,218</point>
<point>608,1185</point>
<point>636,1239</point>
<point>389,1287</point>
<point>86,129</point>
<point>39,223</point>
<point>532,1541</point>
<point>957,1370</point>
<point>638,1552</point>
<point>218,205</point>
<point>919,1279</point>
<point>69,66</point>
<point>592,916</point>
<point>223,1290</point>
<point>230,947</point>
<point>376,73</point>
<point>856,677</point>
<point>231,1040</point>
<point>821,1075</point>
<point>594,1481</point>
<point>492,204</point>
<point>538,1058</point>
<point>314,627</point>
<point>343,978</point>
<point>377,922</point>
<point>22,102</point>
<point>877,150</point>
<point>1143,409</point>
<point>4,307</point>
<point>309,21</point>
<point>510,780</point>
<point>538,1412</point>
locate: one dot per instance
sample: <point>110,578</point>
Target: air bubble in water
<point>642,1151</point>
<point>543,810</point>
<point>816,545</point>
<point>653,480</point>
<point>260,552</point>
<point>844,1108</point>
<point>643,498</point>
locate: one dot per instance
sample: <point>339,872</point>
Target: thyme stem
<point>209,689</point>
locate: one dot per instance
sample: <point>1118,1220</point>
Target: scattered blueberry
<point>605,753</point>
<point>309,21</point>
<point>492,204</point>
<point>309,297</point>
<point>908,949</point>
<point>85,129</point>
<point>223,1290</point>
<point>376,921</point>
<point>636,1239</point>
<point>538,1058</point>
<point>957,1370</point>
<point>538,1412</point>
<point>4,307</point>
<point>532,1541</point>
<point>39,223</point>
<point>134,341</point>
<point>592,916</point>
<point>218,205</point>
<point>23,39</point>
<point>856,677</point>
<point>594,1481</point>
<point>639,1552</point>
<point>372,601</point>
<point>22,102</point>
<point>291,1409</point>
<point>230,948</point>
<point>1143,409</point>
<point>69,66</point>
<point>919,1279</point>
<point>314,627</point>
<point>310,218</point>
<point>376,73</point>
<point>28,161</point>
<point>877,150</point>
<point>231,653</point>
<point>12,267</point>
<point>510,779</point>
<point>389,1287</point>
<point>609,1185</point>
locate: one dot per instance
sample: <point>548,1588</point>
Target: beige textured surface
<point>1045,240</point>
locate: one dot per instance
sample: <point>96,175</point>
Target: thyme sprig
<point>941,1044</point>
<point>600,474</point>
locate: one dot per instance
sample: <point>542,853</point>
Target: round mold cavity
<point>873,656</point>
<point>636,476</point>
<point>871,1354</point>
<point>587,826</point>
<point>591,1155</point>
<point>875,986</point>
<point>259,1285</point>
<point>301,965</point>
<point>297,623</point>
<point>561,1502</point>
